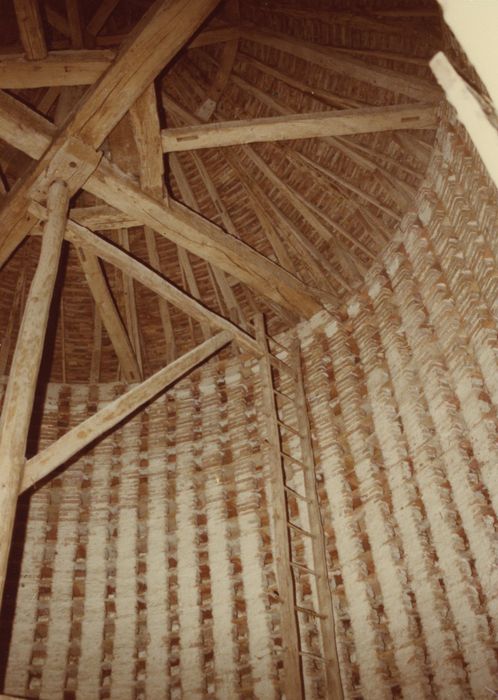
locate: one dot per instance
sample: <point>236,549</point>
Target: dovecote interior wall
<point>146,568</point>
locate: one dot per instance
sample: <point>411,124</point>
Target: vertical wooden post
<point>292,678</point>
<point>20,392</point>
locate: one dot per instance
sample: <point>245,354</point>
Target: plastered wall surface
<point>147,564</point>
<point>147,568</point>
<point>402,388</point>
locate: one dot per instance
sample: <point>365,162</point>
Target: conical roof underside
<point>323,208</point>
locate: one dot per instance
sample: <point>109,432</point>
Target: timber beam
<point>344,122</point>
<point>30,28</point>
<point>58,68</point>
<point>23,376</point>
<point>94,427</point>
<point>109,314</point>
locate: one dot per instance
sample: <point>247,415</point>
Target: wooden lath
<point>394,81</point>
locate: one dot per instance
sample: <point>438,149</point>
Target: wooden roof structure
<point>305,156</point>
<point>188,178</point>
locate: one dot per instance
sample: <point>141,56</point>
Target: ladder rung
<point>312,654</point>
<point>288,427</point>
<point>303,567</point>
<point>294,459</point>
<point>298,528</point>
<point>282,395</point>
<point>310,611</point>
<point>282,366</point>
<point>297,495</point>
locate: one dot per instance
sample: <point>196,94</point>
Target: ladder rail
<point>293,673</point>
<point>324,593</point>
<point>287,570</point>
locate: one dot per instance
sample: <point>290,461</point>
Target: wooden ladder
<point>307,629</point>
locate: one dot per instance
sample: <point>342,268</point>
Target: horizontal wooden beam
<point>176,222</point>
<point>100,423</point>
<point>102,217</point>
<point>342,122</point>
<point>83,66</point>
<point>59,68</point>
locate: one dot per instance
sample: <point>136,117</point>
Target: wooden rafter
<point>217,277</point>
<point>320,94</point>
<point>337,62</point>
<point>113,254</point>
<point>57,20</point>
<point>215,35</point>
<point>100,423</point>
<point>363,21</point>
<point>31,28</point>
<point>130,301</point>
<point>227,61</point>
<point>102,14</point>
<point>110,315</point>
<point>144,119</point>
<point>300,126</point>
<point>76,29</point>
